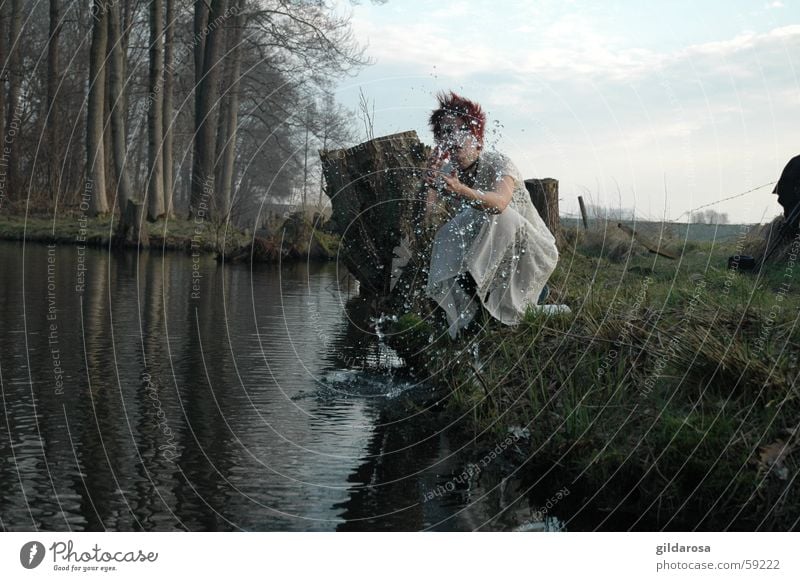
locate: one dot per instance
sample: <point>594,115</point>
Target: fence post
<point>583,213</point>
<point>544,195</point>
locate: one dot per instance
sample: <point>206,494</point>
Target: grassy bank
<point>286,240</point>
<point>667,399</point>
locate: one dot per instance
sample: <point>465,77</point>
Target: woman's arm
<point>430,204</point>
<point>436,160</point>
<point>493,202</point>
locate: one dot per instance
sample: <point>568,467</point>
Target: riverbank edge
<point>668,458</point>
<point>98,233</point>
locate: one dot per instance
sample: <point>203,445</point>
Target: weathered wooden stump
<point>375,191</point>
<point>544,195</point>
<point>128,229</point>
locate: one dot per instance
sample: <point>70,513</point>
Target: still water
<point>168,392</point>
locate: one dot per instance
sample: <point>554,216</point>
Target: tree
<point>229,115</point>
<point>14,74</point>
<point>335,130</point>
<point>155,113</point>
<point>118,105</point>
<point>169,89</point>
<point>95,152</point>
<point>709,217</point>
<point>290,38</point>
<point>51,115</point>
<point>207,91</point>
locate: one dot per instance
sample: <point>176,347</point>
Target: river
<point>164,391</point>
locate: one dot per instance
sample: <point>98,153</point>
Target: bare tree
<point>226,150</point>
<point>14,84</point>
<point>118,105</point>
<point>249,65</point>
<point>155,113</point>
<point>367,116</point>
<point>169,89</point>
<point>51,115</point>
<point>207,89</point>
<point>95,152</point>
<point>335,130</point>
<point>4,63</point>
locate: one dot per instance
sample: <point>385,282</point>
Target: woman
<point>496,247</point>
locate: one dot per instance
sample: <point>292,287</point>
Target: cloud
<point>454,41</point>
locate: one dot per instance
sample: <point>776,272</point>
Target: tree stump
<point>544,195</point>
<point>376,195</point>
<point>128,231</point>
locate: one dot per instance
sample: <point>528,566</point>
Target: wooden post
<point>583,213</point>
<point>544,195</point>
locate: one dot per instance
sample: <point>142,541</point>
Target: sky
<point>662,107</point>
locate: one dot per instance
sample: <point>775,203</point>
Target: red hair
<point>467,111</point>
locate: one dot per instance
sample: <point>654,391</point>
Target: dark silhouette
<point>788,190</point>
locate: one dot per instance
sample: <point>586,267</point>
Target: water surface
<point>170,392</point>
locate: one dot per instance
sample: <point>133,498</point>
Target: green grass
<point>655,395</point>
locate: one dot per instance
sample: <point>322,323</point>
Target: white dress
<point>509,255</point>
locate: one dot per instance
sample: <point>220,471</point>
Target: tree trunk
<point>200,30</point>
<point>95,153</point>
<point>3,76</point>
<point>376,203</point>
<point>13,116</point>
<point>305,164</point>
<point>155,114</point>
<point>222,116</point>
<point>108,149</point>
<point>228,156</point>
<point>128,21</point>
<point>117,102</point>
<point>206,98</point>
<point>322,181</point>
<point>52,116</point>
<point>544,195</point>
<point>132,229</point>
<point>169,82</point>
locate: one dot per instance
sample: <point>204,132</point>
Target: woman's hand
<point>493,202</point>
<point>454,185</point>
<point>437,159</point>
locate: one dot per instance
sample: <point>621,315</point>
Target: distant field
<point>675,230</point>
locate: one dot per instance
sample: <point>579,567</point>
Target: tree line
<point>205,107</point>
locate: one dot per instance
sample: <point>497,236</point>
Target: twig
<point>644,241</point>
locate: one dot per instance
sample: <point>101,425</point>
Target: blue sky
<point>661,106</point>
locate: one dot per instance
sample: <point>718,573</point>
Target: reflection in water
<point>200,396</point>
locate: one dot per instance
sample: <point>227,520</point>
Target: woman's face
<point>459,141</point>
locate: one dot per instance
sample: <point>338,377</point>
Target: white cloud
<point>568,48</point>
